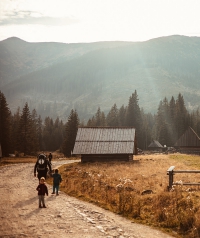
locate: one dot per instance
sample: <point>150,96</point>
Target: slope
<point>158,68</point>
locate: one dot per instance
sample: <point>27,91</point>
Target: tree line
<point>167,125</point>
<point>25,131</point>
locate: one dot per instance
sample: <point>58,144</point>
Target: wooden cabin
<point>105,144</point>
<point>189,142</point>
<point>155,146</point>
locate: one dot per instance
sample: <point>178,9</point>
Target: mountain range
<point>56,77</point>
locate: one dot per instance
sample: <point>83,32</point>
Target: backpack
<point>41,163</point>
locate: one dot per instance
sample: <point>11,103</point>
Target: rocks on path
<point>64,216</point>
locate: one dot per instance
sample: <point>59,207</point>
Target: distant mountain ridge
<point>25,57</point>
<point>56,77</point>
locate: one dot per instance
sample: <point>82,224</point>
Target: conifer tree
<point>26,137</point>
<point>162,123</point>
<point>147,127</point>
<point>47,134</point>
<point>181,116</point>
<point>53,135</point>
<point>103,119</point>
<point>122,116</point>
<point>172,119</point>
<point>15,119</point>
<point>112,117</point>
<point>35,135</point>
<point>70,133</point>
<point>98,117</point>
<point>133,116</point>
<point>166,127</point>
<point>58,134</point>
<point>91,122</point>
<point>172,129</point>
<point>163,134</point>
<point>39,132</point>
<point>4,126</point>
<point>159,119</point>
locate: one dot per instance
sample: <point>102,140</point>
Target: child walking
<point>42,190</point>
<point>56,181</point>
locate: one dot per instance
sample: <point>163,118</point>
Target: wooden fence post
<point>170,172</point>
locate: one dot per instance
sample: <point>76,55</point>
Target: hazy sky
<point>98,20</point>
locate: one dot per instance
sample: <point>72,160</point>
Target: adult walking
<point>50,157</point>
<point>42,166</point>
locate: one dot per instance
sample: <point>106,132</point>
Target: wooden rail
<point>171,173</point>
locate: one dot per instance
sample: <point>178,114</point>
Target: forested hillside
<point>26,132</point>
<point>87,76</point>
<point>18,57</point>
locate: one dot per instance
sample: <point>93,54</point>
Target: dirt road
<point>64,216</point>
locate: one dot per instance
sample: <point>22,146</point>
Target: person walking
<point>42,190</point>
<point>42,166</point>
<point>57,179</point>
<point>50,157</point>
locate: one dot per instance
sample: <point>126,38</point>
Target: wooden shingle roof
<point>155,144</point>
<point>189,138</point>
<point>104,140</point>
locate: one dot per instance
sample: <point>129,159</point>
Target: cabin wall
<point>155,149</point>
<point>188,150</point>
<point>106,158</point>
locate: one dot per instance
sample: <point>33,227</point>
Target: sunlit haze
<point>73,21</point>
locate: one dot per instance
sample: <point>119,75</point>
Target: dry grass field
<point>138,190</point>
<point>28,159</point>
<point>10,160</point>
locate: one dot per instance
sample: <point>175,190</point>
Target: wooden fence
<point>171,173</point>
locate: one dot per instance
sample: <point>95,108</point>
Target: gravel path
<point>64,216</point>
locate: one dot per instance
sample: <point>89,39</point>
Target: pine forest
<point>25,132</point>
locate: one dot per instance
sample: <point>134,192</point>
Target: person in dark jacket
<point>50,157</point>
<point>57,179</point>
<point>42,190</point>
<point>42,166</point>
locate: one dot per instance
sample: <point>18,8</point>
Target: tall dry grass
<point>16,160</point>
<point>31,159</point>
<point>138,190</point>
